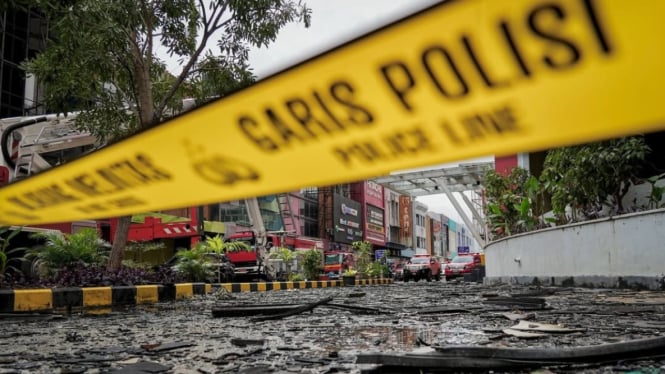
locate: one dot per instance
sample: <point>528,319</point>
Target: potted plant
<point>349,277</point>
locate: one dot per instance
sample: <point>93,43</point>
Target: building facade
<point>22,36</point>
<point>392,223</point>
<point>419,228</point>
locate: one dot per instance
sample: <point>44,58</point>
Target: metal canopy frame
<point>448,181</point>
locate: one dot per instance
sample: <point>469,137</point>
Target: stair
<point>286,212</point>
<point>28,164</point>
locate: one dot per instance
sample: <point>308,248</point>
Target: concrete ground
<point>400,318</point>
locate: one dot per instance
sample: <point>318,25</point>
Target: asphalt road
<point>402,318</point>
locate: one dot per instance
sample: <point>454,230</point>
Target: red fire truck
<point>253,263</point>
<point>337,262</point>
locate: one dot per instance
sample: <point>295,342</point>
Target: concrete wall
<point>625,251</point>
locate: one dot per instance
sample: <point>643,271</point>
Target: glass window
<point>419,260</point>
<point>463,259</point>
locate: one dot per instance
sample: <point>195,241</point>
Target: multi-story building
<point>419,228</point>
<point>394,233</point>
<point>22,36</point>
<point>373,212</point>
<point>437,237</point>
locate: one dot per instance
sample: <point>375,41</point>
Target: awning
<point>394,245</point>
<point>408,253</point>
<point>32,229</point>
<point>166,218</point>
<point>214,226</point>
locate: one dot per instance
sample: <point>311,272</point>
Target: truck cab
<point>337,262</point>
<point>247,263</point>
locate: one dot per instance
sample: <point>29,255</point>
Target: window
<point>394,212</point>
<point>342,189</point>
<point>310,193</point>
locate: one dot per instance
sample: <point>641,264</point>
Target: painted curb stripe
<point>123,295</point>
<point>68,297</point>
<point>199,288</point>
<point>97,296</point>
<point>6,301</point>
<point>183,290</point>
<point>166,292</point>
<point>147,294</point>
<point>12,301</point>
<point>32,300</point>
<point>245,287</point>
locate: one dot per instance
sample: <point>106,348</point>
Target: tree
<point>589,176</point>
<point>312,263</point>
<point>363,251</point>
<point>102,60</point>
<point>514,202</point>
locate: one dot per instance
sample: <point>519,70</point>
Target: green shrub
<point>591,176</point>
<point>363,251</point>
<point>193,264</point>
<point>312,263</point>
<point>6,235</point>
<point>579,182</point>
<point>216,244</point>
<point>377,269</point>
<point>514,202</point>
<point>60,250</point>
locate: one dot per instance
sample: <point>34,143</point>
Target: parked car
<point>460,265</point>
<point>422,267</point>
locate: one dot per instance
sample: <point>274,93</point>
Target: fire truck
<point>33,144</point>
<point>337,262</point>
<point>254,263</point>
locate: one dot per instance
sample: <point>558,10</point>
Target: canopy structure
<point>450,181</point>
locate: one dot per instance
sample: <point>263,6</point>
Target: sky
<point>333,23</point>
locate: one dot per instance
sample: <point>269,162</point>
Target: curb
<point>67,298</point>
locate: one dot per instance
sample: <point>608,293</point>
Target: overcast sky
<point>333,23</point>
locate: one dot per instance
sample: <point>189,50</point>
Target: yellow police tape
<point>459,80</point>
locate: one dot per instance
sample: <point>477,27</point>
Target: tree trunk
<point>119,243</point>
<point>145,111</point>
